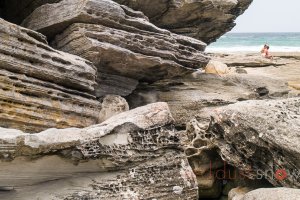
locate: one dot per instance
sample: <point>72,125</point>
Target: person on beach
<point>263,49</point>
<point>265,52</point>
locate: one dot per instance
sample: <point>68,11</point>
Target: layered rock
<point>41,87</point>
<point>187,96</point>
<point>17,11</point>
<point>118,40</point>
<point>202,19</point>
<point>260,138</point>
<point>134,155</point>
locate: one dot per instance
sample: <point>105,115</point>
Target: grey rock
<point>112,105</point>
<point>133,155</point>
<point>187,96</point>
<point>118,40</point>
<point>109,84</point>
<point>260,138</point>
<point>202,19</point>
<point>238,193</point>
<point>276,193</point>
<point>17,11</point>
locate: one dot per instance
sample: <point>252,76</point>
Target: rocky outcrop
<point>118,40</point>
<point>202,19</point>
<point>187,96</point>
<point>134,155</point>
<point>260,138</point>
<point>41,87</point>
<point>17,11</point>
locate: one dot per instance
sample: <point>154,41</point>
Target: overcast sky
<point>270,16</point>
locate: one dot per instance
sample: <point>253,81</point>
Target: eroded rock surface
<point>41,87</point>
<point>112,105</point>
<point>202,19</point>
<point>16,11</point>
<point>260,138</point>
<point>134,155</point>
<point>118,40</point>
<point>187,96</point>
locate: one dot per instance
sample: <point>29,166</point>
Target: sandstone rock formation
<point>134,155</point>
<point>206,20</point>
<point>16,11</point>
<point>264,194</point>
<point>261,138</point>
<point>118,40</point>
<point>41,87</point>
<point>111,106</point>
<point>216,67</point>
<point>254,60</point>
<point>187,96</point>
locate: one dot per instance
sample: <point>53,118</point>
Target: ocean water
<point>253,42</point>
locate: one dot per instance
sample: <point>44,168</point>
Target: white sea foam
<point>214,49</point>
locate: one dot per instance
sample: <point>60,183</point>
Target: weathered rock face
<point>264,194</point>
<point>134,155</point>
<point>261,138</point>
<point>118,40</point>
<point>187,96</point>
<point>202,19</point>
<point>42,87</point>
<point>17,11</point>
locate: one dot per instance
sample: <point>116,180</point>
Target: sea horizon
<point>253,42</point>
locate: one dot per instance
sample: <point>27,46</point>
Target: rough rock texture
<point>143,56</point>
<point>113,84</point>
<point>261,138</point>
<point>134,155</point>
<point>118,40</point>
<point>216,67</point>
<point>276,193</point>
<point>254,60</point>
<point>187,96</point>
<point>112,105</point>
<point>238,193</point>
<point>206,20</point>
<point>42,87</point>
<point>284,66</point>
<point>17,11</point>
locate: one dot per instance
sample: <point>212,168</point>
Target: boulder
<point>112,105</point>
<point>206,20</point>
<point>17,11</point>
<point>277,194</point>
<point>134,155</point>
<point>260,138</point>
<point>216,67</point>
<point>41,87</point>
<point>118,40</point>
